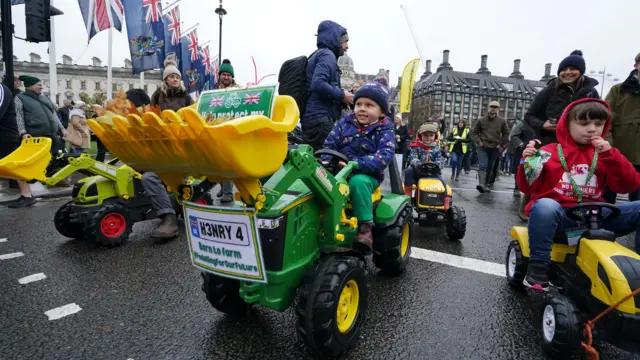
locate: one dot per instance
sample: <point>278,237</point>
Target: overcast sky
<point>273,31</point>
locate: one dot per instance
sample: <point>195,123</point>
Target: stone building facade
<point>454,95</point>
<point>74,79</point>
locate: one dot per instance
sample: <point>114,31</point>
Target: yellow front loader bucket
<point>182,144</point>
<point>29,161</point>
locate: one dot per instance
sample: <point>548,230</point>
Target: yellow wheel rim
<point>405,240</point>
<point>348,306</point>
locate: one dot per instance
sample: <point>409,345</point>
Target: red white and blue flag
<point>153,10</point>
<point>100,15</point>
<point>251,98</point>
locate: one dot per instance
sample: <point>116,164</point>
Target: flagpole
<point>53,75</point>
<point>109,64</point>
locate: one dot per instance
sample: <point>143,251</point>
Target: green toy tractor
<point>290,237</point>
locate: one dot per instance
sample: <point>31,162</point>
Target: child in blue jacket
<point>367,137</point>
<point>424,149</point>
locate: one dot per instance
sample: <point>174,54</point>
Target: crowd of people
<point>572,135</point>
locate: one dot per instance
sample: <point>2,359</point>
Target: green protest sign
<point>217,106</point>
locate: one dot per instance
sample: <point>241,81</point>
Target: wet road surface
<point>143,300</point>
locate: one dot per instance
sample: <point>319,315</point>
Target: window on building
<point>146,87</point>
<point>458,98</point>
<point>130,86</point>
<point>114,87</point>
<point>68,84</point>
<point>449,96</point>
<point>97,85</point>
<point>83,85</point>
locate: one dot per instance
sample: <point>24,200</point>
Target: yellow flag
<point>406,88</point>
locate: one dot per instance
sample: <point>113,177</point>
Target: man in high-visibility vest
<point>459,147</point>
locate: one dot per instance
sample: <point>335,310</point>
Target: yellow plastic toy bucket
<point>29,161</point>
<point>183,144</point>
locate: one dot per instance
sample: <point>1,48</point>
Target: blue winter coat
<point>419,152</point>
<point>372,146</point>
<point>323,78</point>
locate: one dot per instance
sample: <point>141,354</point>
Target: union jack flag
<point>193,222</point>
<point>206,60</point>
<point>215,102</point>
<point>101,15</point>
<point>251,98</point>
<point>193,45</point>
<point>154,10</point>
<point>174,25</point>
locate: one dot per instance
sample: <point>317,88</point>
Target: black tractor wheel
<point>332,305</point>
<point>109,225</point>
<point>224,295</point>
<point>457,224</point>
<point>516,265</point>
<point>64,224</point>
<point>392,245</point>
<point>560,327</point>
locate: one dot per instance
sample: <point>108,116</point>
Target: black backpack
<point>293,80</point>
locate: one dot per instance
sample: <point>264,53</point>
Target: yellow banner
<point>406,88</point>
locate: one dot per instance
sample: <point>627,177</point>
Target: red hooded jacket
<point>612,170</point>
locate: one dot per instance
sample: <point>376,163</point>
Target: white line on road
<point>62,311</point>
<point>11,256</point>
<point>493,191</point>
<point>32,278</point>
<point>3,240</point>
<point>459,261</point>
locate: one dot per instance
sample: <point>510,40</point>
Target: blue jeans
<point>487,158</point>
<point>547,218</point>
<point>456,163</point>
<point>411,176</point>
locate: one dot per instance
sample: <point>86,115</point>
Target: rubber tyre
<point>387,244</point>
<point>319,297</point>
<point>62,222</point>
<point>206,199</point>
<point>93,226</point>
<point>224,295</point>
<point>457,224</point>
<point>516,278</point>
<point>567,336</point>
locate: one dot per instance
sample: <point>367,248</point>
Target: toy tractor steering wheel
<point>594,213</point>
<point>333,166</point>
<point>429,168</point>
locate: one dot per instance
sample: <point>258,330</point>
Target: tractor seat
<point>375,198</point>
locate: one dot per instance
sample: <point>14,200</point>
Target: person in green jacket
<point>624,100</point>
<point>35,114</point>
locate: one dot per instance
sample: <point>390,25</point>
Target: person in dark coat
<point>324,106</point>
<point>570,85</point>
<point>402,139</point>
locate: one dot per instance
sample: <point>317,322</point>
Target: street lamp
<point>221,12</point>
<point>604,76</point>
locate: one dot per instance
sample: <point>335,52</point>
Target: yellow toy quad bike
<point>595,276</point>
<point>434,203</point>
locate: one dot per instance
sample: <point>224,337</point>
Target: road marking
<point>32,278</point>
<point>62,311</point>
<point>3,240</point>
<point>459,261</point>
<point>11,256</point>
<point>493,191</point>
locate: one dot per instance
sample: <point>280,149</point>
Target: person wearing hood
<point>459,148</point>
<point>172,94</point>
<point>366,137</point>
<point>424,149</point>
<point>571,84</point>
<point>78,132</point>
<point>624,100</point>
<point>575,170</point>
<point>324,104</point>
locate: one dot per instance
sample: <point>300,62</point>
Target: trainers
<point>537,276</point>
<point>21,202</point>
